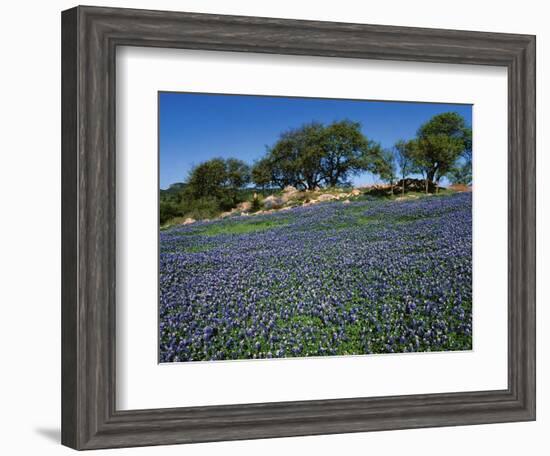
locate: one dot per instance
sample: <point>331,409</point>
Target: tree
<point>384,166</point>
<point>404,158</point>
<point>261,173</point>
<point>346,152</point>
<point>237,173</point>
<point>314,155</point>
<point>419,161</point>
<point>237,176</point>
<point>309,148</point>
<point>219,179</point>
<point>207,179</point>
<point>462,173</point>
<point>467,153</point>
<point>291,160</point>
<point>438,145</point>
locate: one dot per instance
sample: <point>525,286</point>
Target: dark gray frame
<point>90,36</point>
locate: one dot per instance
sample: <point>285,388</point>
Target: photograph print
<point>309,227</point>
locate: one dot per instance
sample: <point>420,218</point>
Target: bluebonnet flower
<point>329,279</point>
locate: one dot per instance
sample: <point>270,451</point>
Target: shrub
<point>256,205</point>
<point>201,208</point>
<point>168,211</point>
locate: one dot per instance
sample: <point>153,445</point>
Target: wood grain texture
<point>89,39</point>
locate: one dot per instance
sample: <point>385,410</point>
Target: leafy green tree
<point>283,161</point>
<point>439,144</point>
<point>308,143</point>
<point>461,173</point>
<point>261,173</point>
<point>237,177</point>
<point>219,179</point>
<point>168,210</point>
<point>295,159</point>
<point>467,153</point>
<point>384,166</point>
<point>207,179</point>
<point>314,155</point>
<point>346,152</point>
<point>237,173</point>
<point>404,158</point>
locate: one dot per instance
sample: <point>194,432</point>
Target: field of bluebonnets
<point>330,279</point>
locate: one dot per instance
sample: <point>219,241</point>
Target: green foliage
<point>293,160</point>
<point>202,208</point>
<point>212,187</point>
<point>207,179</point>
<point>237,173</point>
<point>262,173</point>
<point>218,178</point>
<point>314,155</point>
<point>232,226</point>
<point>439,144</point>
<point>462,173</point>
<point>404,154</point>
<point>450,124</point>
<point>170,201</point>
<point>346,152</point>
<point>384,166</point>
<point>256,204</point>
<point>168,211</point>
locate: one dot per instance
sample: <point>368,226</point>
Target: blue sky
<point>196,127</point>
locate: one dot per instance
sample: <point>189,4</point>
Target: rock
<point>345,202</point>
<point>244,206</point>
<point>355,192</point>
<point>326,197</point>
<point>272,202</point>
<point>415,185</point>
<point>310,202</point>
<point>188,221</point>
<point>290,189</point>
<point>289,193</point>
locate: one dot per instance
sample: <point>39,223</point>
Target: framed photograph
<point>280,228</point>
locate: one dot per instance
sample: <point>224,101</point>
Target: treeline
<point>315,155</point>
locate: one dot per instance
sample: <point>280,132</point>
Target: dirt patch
<point>461,188</point>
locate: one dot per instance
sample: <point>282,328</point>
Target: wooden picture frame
<point>90,36</point>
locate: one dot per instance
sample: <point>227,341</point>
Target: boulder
<point>326,197</point>
<point>273,202</point>
<point>345,202</point>
<point>289,189</point>
<point>309,202</point>
<point>244,206</point>
<point>355,192</point>
<point>188,221</point>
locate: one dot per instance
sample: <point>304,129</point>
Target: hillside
<point>368,276</point>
